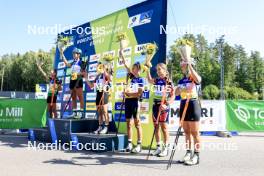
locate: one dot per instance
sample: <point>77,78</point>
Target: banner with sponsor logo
<point>22,114</point>
<point>245,115</point>
<point>213,117</point>
<point>141,23</point>
<point>41,91</point>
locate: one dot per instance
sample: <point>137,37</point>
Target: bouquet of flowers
<point>184,47</point>
<point>63,42</point>
<point>122,39</point>
<point>108,58</point>
<point>149,51</point>
<point>39,58</point>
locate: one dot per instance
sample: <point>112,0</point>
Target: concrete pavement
<point>240,155</point>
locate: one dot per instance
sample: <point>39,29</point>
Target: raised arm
<point>64,58</point>
<point>42,71</point>
<point>149,77</point>
<point>124,61</point>
<point>197,78</point>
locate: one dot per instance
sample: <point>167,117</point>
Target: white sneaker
<point>137,149</point>
<point>164,153</point>
<point>129,147</point>
<point>104,130</point>
<point>193,161</point>
<point>79,115</point>
<point>186,157</point>
<point>72,115</point>
<point>98,130</point>
<point>156,152</point>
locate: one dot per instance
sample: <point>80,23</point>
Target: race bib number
<point>100,84</point>
<point>51,89</point>
<point>74,76</point>
<point>158,91</point>
<point>132,88</point>
<point>188,91</point>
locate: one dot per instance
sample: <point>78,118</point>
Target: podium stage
<point>77,131</point>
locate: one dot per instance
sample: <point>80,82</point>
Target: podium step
<point>101,142</point>
<point>79,132</point>
<point>65,127</point>
<point>42,134</point>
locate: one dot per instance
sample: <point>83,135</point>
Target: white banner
<point>212,116</point>
<point>41,95</point>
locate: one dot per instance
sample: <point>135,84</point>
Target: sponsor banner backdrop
<point>22,114</point>
<point>245,115</point>
<point>141,24</point>
<point>41,91</point>
<point>213,116</point>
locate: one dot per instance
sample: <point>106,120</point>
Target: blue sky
<point>240,21</point>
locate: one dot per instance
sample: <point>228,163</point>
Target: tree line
<point>19,72</point>
<point>243,73</point>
